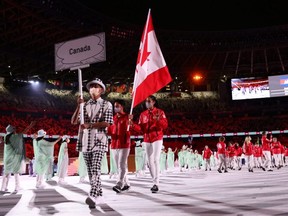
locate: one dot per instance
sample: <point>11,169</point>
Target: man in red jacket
<point>276,150</point>
<point>266,148</point>
<point>206,156</point>
<point>152,123</point>
<point>120,144</point>
<point>221,150</point>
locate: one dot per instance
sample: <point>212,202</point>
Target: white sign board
<point>79,52</point>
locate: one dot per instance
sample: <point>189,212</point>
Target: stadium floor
<point>181,193</point>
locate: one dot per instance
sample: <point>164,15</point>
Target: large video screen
<point>278,85</point>
<point>250,88</point>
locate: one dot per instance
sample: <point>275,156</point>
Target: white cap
<point>41,133</point>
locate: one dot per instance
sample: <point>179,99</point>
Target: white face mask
<point>95,91</point>
<point>148,105</point>
<point>117,109</point>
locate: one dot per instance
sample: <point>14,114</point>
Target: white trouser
<point>121,157</point>
<point>267,163</point>
<point>277,158</point>
<point>5,181</point>
<point>239,162</point>
<point>207,163</point>
<point>258,161</point>
<point>249,159</point>
<point>222,161</point>
<point>153,151</point>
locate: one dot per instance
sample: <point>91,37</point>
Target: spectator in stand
<point>238,153</point>
<point>14,156</point>
<point>206,154</point>
<point>93,140</point>
<point>120,145</point>
<point>221,150</point>
<point>276,151</point>
<point>248,149</point>
<point>266,148</point>
<point>152,123</point>
<point>63,161</point>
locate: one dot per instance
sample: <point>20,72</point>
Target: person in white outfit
<point>63,160</point>
<point>14,156</point>
<point>42,150</point>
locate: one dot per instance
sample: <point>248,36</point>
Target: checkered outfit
<point>96,143</point>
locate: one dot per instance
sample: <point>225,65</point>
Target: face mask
<point>117,109</point>
<point>95,91</point>
<point>148,105</point>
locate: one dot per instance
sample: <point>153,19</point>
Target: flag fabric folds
<point>151,72</point>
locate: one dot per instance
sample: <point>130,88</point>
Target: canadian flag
<point>151,72</point>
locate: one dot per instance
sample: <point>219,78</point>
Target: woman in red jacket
<point>120,145</point>
<point>152,122</point>
<point>248,149</point>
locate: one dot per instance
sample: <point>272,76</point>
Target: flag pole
<point>136,73</point>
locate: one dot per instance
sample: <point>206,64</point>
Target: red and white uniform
<point>248,149</point>
<point>266,148</point>
<point>151,128</point>
<point>276,150</point>
<point>120,137</point>
<point>232,156</point>
<point>221,150</point>
<point>257,153</point>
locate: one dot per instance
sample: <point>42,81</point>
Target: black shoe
<point>154,189</point>
<point>270,170</point>
<point>117,189</point>
<point>219,171</point>
<point>125,188</point>
<point>251,170</point>
<point>278,167</point>
<point>263,168</point>
<point>210,169</point>
<point>90,203</point>
<point>205,169</point>
<point>225,171</point>
<point>239,168</point>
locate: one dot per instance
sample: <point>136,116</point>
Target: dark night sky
<point>201,15</point>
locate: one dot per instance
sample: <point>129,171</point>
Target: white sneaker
<point>93,201</point>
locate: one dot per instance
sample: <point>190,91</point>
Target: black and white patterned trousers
<point>93,162</point>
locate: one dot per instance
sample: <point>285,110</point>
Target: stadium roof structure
<point>235,38</point>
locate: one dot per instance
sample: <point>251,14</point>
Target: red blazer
<point>276,147</point>
<point>221,148</point>
<point>207,153</point>
<point>248,148</point>
<point>151,128</point>
<point>120,137</point>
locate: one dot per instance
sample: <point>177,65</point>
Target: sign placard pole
<point>80,90</point>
